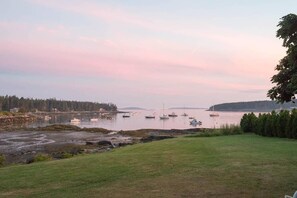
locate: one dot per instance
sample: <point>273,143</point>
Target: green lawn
<point>226,166</point>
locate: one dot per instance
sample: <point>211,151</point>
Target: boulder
<point>105,143</point>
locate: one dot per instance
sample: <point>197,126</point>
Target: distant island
<point>187,108</point>
<point>253,106</point>
<point>131,108</point>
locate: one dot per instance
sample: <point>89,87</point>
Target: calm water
<point>137,120</point>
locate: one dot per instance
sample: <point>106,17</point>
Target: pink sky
<point>133,54</point>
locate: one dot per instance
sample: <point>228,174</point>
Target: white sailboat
<point>164,116</point>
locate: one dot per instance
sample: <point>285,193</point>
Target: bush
<point>2,159</point>
<point>224,130</point>
<point>281,124</point>
<point>42,157</point>
<point>230,129</point>
<point>248,122</point>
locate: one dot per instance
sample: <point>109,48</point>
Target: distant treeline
<point>30,104</point>
<point>252,106</point>
<point>282,124</point>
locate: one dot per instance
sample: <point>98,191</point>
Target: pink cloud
<point>58,30</point>
<point>241,49</point>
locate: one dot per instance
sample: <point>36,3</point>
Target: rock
<point>90,143</point>
<point>29,160</point>
<point>124,144</point>
<point>105,143</point>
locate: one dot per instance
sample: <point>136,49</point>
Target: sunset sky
<point>141,52</point>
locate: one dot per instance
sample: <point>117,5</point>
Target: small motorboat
<point>172,115</point>
<point>194,122</point>
<point>126,116</point>
<point>150,117</point>
<point>75,120</point>
<point>214,115</point>
<point>47,118</point>
<point>94,119</point>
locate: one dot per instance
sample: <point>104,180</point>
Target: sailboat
<point>184,114</point>
<point>213,114</point>
<point>164,116</point>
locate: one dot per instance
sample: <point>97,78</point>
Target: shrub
<point>41,157</point>
<point>224,130</point>
<point>230,129</point>
<point>2,159</point>
<point>248,122</point>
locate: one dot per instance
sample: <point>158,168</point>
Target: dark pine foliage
<point>282,124</point>
<point>30,104</point>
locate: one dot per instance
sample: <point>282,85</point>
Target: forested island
<point>8,103</point>
<point>253,106</point>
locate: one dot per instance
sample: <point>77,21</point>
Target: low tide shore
<point>59,141</point>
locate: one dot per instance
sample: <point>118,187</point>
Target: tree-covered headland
<point>52,104</point>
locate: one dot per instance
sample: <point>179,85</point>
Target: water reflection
<point>137,120</point>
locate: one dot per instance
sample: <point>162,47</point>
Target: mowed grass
<point>226,166</point>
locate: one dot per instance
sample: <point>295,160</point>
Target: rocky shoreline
<point>63,141</point>
<point>15,119</point>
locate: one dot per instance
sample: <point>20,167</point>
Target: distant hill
<point>187,108</point>
<point>260,106</point>
<point>131,108</point>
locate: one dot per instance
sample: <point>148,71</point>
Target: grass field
<point>226,166</point>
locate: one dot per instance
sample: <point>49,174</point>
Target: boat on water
<point>94,119</point>
<point>164,117</point>
<point>184,114</point>
<point>172,115</point>
<point>195,122</point>
<point>126,116</point>
<point>213,113</point>
<point>75,120</point>
<point>47,118</point>
<point>150,117</point>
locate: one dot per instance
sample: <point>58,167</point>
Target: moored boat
<point>150,117</point>
<point>194,122</point>
<point>47,118</point>
<point>164,117</point>
<point>213,113</point>
<point>172,115</point>
<point>75,120</point>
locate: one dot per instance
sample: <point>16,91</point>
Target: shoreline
<point>23,145</point>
